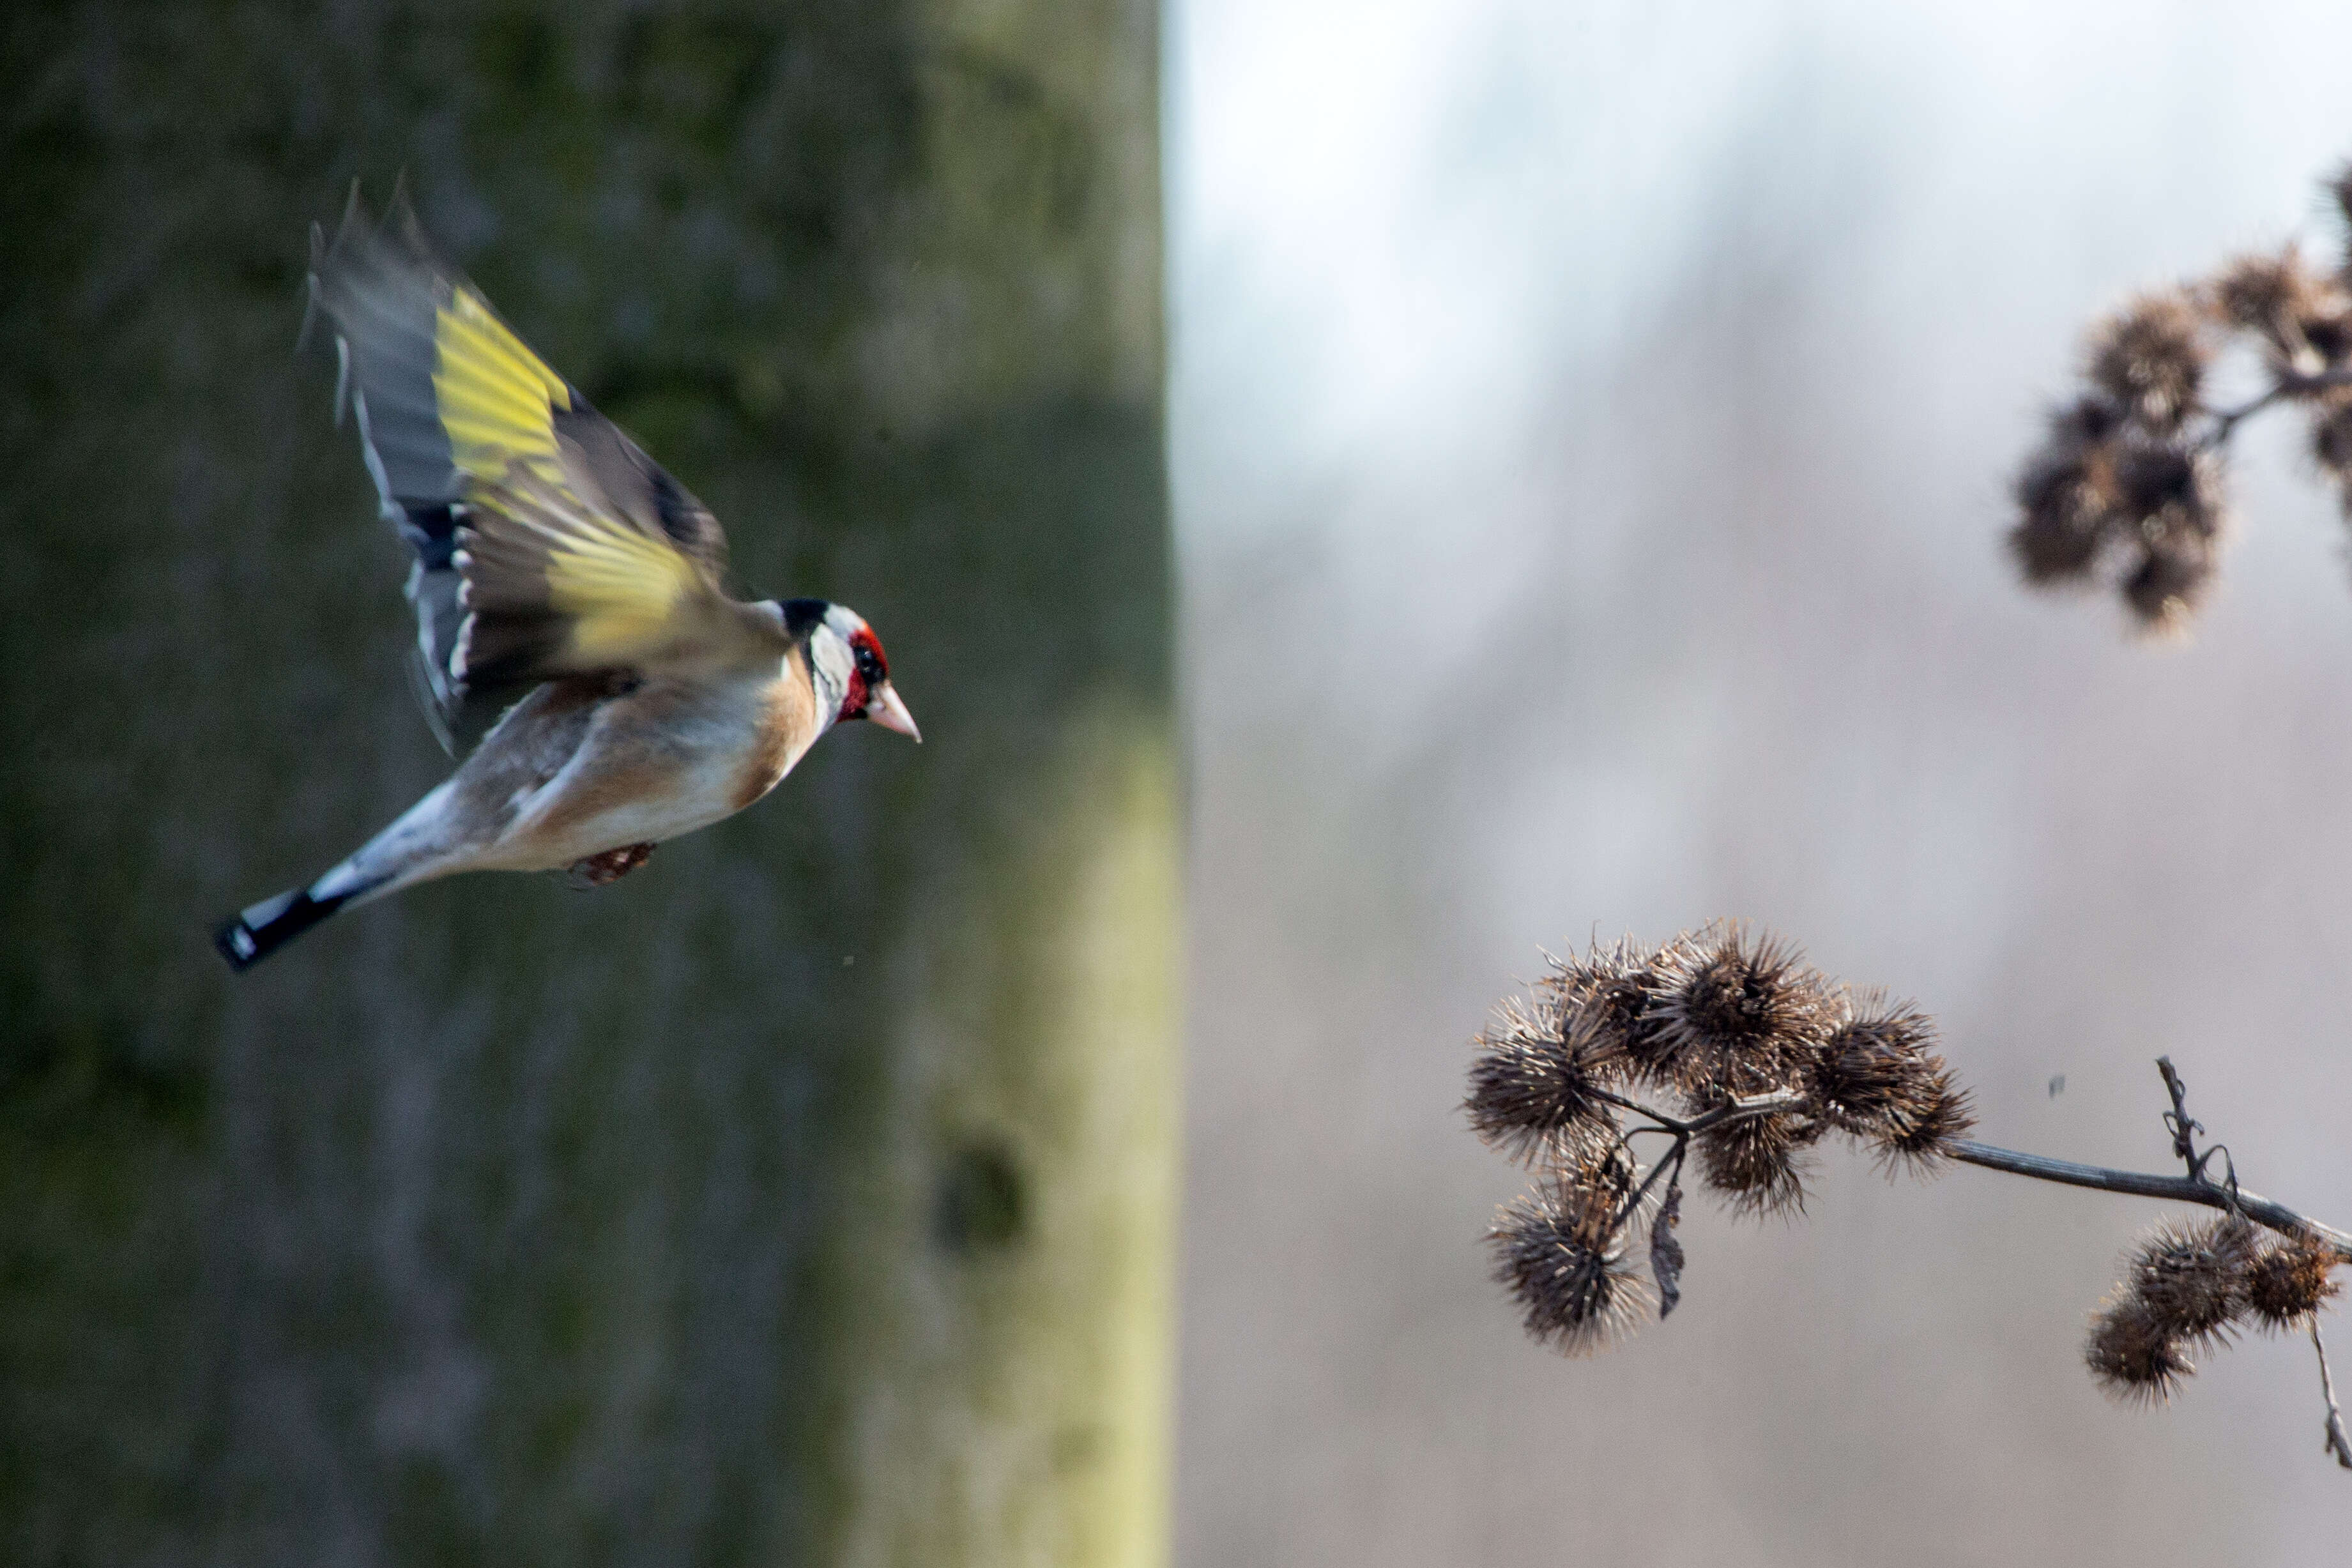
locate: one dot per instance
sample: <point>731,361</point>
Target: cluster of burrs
<point>1726,1044</point>
<point>1722,1043</point>
<point>2128,484</point>
<point>2190,1286</point>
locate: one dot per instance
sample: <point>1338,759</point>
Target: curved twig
<point>2141,1184</point>
<point>2288,383</point>
<point>1739,1108</point>
<point>2339,1444</point>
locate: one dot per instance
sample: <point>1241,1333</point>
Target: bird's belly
<point>639,783</point>
<point>696,799</point>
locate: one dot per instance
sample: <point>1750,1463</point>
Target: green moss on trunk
<point>806,1197</point>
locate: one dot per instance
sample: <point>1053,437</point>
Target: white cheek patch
<point>830,662</point>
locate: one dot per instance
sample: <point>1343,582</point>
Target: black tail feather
<point>268,925</point>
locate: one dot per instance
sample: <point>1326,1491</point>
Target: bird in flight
<point>562,576</point>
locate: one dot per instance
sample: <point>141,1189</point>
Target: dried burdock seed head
<point>1599,1174</point>
<point>2084,424</point>
<point>1879,1076</point>
<point>2299,313</point>
<point>2331,440</point>
<point>1533,1083</point>
<point>2327,339</point>
<point>1758,1163</point>
<point>2289,1281</point>
<point>1574,976</point>
<point>2175,508</point>
<point>1570,1270</point>
<point>2171,489</point>
<point>2151,357</point>
<point>2258,292</point>
<point>2167,588</point>
<point>2131,1356</point>
<point>2058,542</point>
<point>1606,996</point>
<point>2066,495</point>
<point>1917,1132</point>
<point>1738,1013</point>
<point>1876,1061</point>
<point>2190,1276</point>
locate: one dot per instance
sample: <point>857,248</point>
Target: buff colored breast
<point>787,727</point>
<point>656,763</point>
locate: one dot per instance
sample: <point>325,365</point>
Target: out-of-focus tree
<point>804,1197</point>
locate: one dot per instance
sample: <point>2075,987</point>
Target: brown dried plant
<point>2129,486</point>
<point>1726,1044</point>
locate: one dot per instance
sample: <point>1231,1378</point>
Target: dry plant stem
<point>2337,1443</point>
<point>2226,420</point>
<point>1738,1109</point>
<point>2194,1187</point>
<point>1673,1161</point>
<point>2140,1183</point>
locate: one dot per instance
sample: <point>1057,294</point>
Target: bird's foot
<point>611,866</point>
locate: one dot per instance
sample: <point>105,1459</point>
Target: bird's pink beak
<point>885,709</point>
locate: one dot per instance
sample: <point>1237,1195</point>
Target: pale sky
<point>1591,432</point>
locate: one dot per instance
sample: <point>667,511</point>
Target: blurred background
<point>1590,428</point>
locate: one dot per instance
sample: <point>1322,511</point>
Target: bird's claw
<point>597,871</point>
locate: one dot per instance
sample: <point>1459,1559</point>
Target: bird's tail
<point>259,931</point>
<point>410,851</point>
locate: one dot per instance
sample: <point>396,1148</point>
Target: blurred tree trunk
<point>805,1197</point>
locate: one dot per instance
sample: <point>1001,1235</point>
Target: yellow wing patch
<point>555,580</point>
<point>621,590</point>
<point>496,397</point>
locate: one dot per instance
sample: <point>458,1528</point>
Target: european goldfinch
<point>557,561</point>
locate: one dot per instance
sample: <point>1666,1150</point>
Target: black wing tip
<point>245,939</point>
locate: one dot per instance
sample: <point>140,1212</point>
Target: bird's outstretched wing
<point>546,540</point>
<point>558,585</point>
